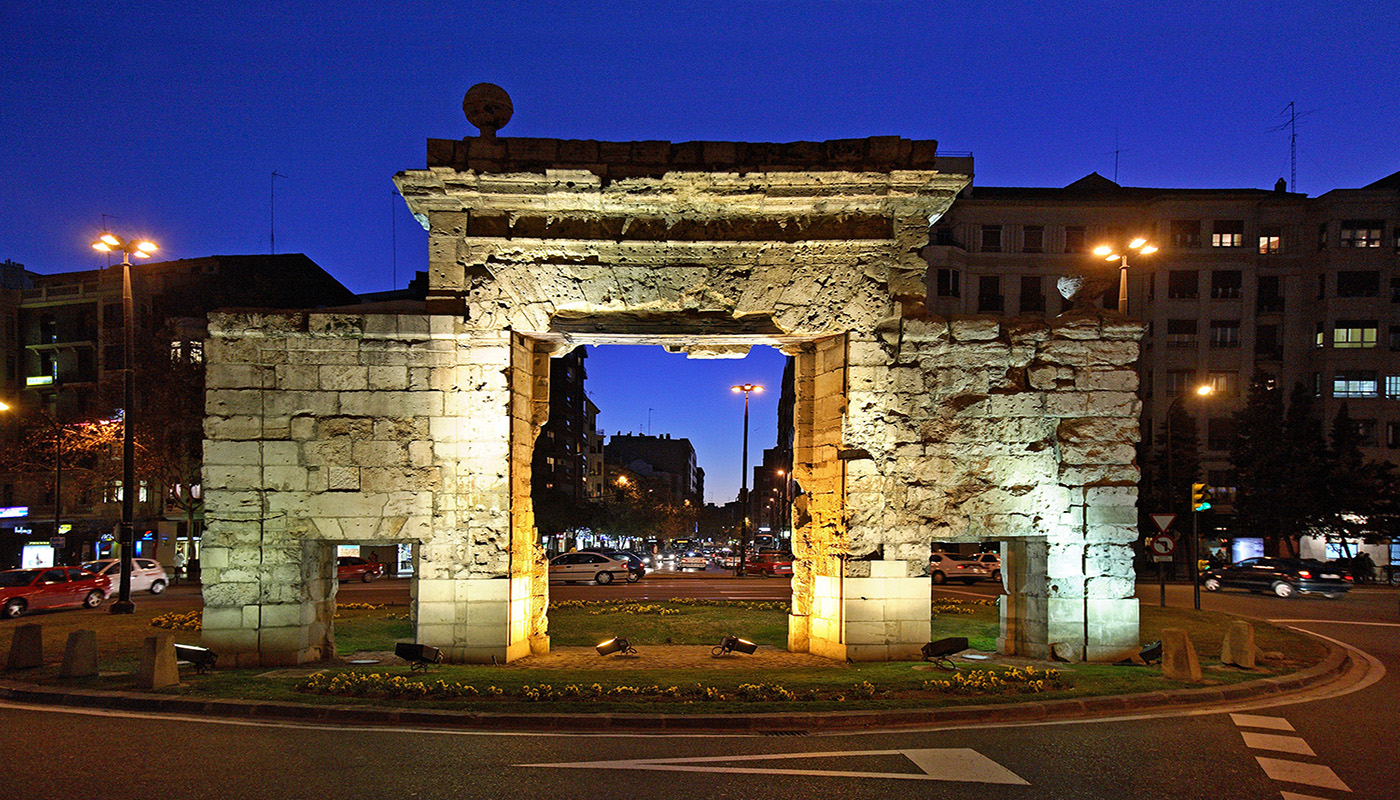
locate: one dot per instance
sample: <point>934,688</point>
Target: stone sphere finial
<point>488,107</point>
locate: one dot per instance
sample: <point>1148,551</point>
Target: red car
<point>766,564</point>
<point>349,568</point>
<point>24,590</point>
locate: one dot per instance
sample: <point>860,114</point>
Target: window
<point>1270,239</point>
<point>944,237</point>
<point>1322,236</point>
<point>1395,290</point>
<point>1032,299</point>
<point>1358,283</point>
<point>1182,284</point>
<point>1270,295</point>
<point>1224,334</point>
<point>1225,284</point>
<point>1395,338</point>
<point>1181,333</point>
<point>1392,387</point>
<point>989,294</point>
<point>1074,238</point>
<point>1266,344</point>
<point>1392,435</point>
<point>1219,432</point>
<point>1227,233</point>
<point>949,282</point>
<point>1366,431</point>
<point>1225,383</point>
<point>1186,233</point>
<point>991,238</point>
<point>1354,333</point>
<point>1354,383</point>
<point>1179,381</point>
<point>1033,239</point>
<point>1222,486</point>
<point>1362,232</point>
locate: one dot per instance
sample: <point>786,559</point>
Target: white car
<point>147,575</point>
<point>574,567</point>
<point>992,562</point>
<point>944,567</point>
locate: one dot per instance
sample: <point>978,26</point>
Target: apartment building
<point>1303,288</point>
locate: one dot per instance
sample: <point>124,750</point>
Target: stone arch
<point>417,425</point>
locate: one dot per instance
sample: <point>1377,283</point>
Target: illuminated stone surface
<point>328,427</point>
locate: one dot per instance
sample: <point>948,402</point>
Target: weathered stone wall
<point>339,428</point>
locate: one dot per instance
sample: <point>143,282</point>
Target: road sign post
<point>1163,522</point>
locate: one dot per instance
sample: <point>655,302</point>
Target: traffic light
<point>1200,493</point>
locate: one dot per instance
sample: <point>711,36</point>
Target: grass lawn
<point>519,688</point>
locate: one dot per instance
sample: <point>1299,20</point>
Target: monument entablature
<point>335,427</point>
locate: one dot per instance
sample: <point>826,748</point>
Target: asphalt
<point>1333,666</point>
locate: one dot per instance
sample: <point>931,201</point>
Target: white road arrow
<point>947,764</point>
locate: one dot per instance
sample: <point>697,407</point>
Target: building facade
<point>1302,289</point>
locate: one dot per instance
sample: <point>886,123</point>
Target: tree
<point>1259,455</point>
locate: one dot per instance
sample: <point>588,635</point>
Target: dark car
<point>636,567</point>
<point>24,590</point>
<point>1282,576</point>
<point>348,568</point>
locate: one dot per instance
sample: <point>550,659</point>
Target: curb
<point>1333,665</point>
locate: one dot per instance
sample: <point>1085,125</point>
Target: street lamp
<point>747,389</point>
<point>1111,253</point>
<point>1203,390</point>
<point>141,248</point>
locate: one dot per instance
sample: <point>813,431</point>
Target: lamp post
<point>140,248</point>
<point>747,389</point>
<point>1203,390</point>
<point>1111,253</point>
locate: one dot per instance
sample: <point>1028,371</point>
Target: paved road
<point>1335,743</point>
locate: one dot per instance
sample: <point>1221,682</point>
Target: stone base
<point>881,618</point>
<point>477,621</point>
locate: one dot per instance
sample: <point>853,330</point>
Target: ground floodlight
<point>938,651</point>
<point>418,656</point>
<point>732,643</point>
<point>202,658</point>
<point>1152,651</point>
<point>617,644</point>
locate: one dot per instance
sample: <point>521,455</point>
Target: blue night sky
<point>170,118</point>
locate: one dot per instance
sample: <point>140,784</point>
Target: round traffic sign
<point>1162,544</point>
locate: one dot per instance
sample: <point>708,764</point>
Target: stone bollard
<point>26,648</point>
<point>80,655</point>
<point>1179,660</point>
<point>1238,647</point>
<point>158,669</point>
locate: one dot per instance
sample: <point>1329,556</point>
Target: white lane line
<point>958,764</point>
<point>1277,743</point>
<point>1256,721</point>
<point>1337,622</point>
<point>1298,772</point>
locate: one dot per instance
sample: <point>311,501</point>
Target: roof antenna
<point>272,212</point>
<point>1292,127</point>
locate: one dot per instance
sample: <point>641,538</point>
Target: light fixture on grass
<point>418,656</point>
<point>202,658</point>
<point>617,644</point>
<point>938,652</point>
<point>732,643</point>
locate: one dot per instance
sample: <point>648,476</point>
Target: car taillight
<point>1304,574</point>
<point>1346,577</point>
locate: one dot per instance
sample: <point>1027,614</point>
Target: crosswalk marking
<point>945,764</point>
<point>1256,721</point>
<point>1273,741</point>
<point>1298,772</point>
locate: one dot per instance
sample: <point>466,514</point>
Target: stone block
<point>79,655</point>
<point>26,647</point>
<point>158,669</point>
<point>1179,660</point>
<point>1239,648</point>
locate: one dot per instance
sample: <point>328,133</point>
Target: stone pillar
<point>1023,607</point>
<point>859,592</point>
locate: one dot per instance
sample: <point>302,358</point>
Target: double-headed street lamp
<point>747,389</point>
<point>1112,253</point>
<point>141,248</point>
<point>1203,390</point>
